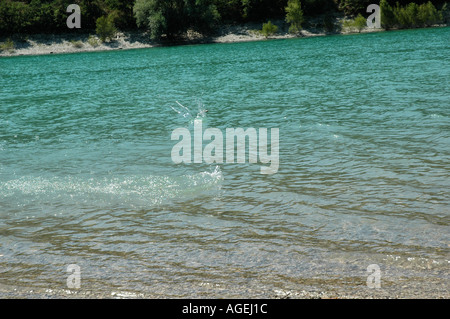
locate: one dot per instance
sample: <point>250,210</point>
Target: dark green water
<point>86,175</point>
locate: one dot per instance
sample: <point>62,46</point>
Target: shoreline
<point>205,290</point>
<point>46,44</point>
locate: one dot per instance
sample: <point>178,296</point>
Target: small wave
<point>131,191</point>
<point>185,112</point>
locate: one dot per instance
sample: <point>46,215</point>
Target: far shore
<point>43,44</point>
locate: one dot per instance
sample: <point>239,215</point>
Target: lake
<point>87,177</point>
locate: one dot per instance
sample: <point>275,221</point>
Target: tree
<point>260,10</point>
<point>387,15</point>
<point>8,46</point>
<point>360,22</point>
<point>352,7</point>
<point>269,29</point>
<point>14,16</point>
<point>122,10</point>
<point>294,15</point>
<point>171,18</point>
<point>408,16</point>
<point>428,14</point>
<point>105,28</point>
<point>230,10</point>
<point>445,13</point>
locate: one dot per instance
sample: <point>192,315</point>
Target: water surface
<point>86,175</point>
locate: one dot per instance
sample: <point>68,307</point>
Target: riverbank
<point>390,290</point>
<point>41,44</point>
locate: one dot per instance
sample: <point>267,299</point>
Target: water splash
<point>185,112</point>
<point>125,191</point>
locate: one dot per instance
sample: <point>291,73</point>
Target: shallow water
<point>86,175</point>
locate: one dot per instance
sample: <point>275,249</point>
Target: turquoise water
<point>86,175</point>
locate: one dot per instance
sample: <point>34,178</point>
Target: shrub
<point>93,41</point>
<point>269,29</point>
<point>407,16</point>
<point>388,19</point>
<point>172,18</point>
<point>294,15</point>
<point>414,15</point>
<point>77,44</point>
<point>8,45</point>
<point>105,28</point>
<point>360,22</point>
<point>352,7</point>
<point>347,24</point>
<point>428,15</point>
<point>15,17</point>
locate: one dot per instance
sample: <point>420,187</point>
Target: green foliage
<point>388,19</point>
<point>14,16</point>
<point>360,22</point>
<point>230,10</point>
<point>260,10</point>
<point>172,18</point>
<point>8,45</point>
<point>77,44</point>
<point>294,15</point>
<point>445,13</point>
<point>269,29</point>
<point>347,24</point>
<point>121,12</point>
<point>105,28</point>
<point>428,15</point>
<point>406,16</point>
<point>414,15</point>
<point>353,7</point>
<point>93,41</point>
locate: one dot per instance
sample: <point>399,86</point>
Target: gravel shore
<point>40,44</point>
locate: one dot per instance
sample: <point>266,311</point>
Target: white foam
<point>129,191</point>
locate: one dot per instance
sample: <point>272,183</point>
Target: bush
<point>406,16</point>
<point>15,17</point>
<point>414,15</point>
<point>353,7</point>
<point>294,15</point>
<point>347,24</point>
<point>428,15</point>
<point>8,45</point>
<point>172,18</point>
<point>269,29</point>
<point>77,44</point>
<point>105,28</point>
<point>388,19</point>
<point>360,22</point>
<point>93,41</point>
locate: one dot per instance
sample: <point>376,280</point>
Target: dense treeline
<point>45,16</point>
<point>410,15</point>
<point>36,16</point>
